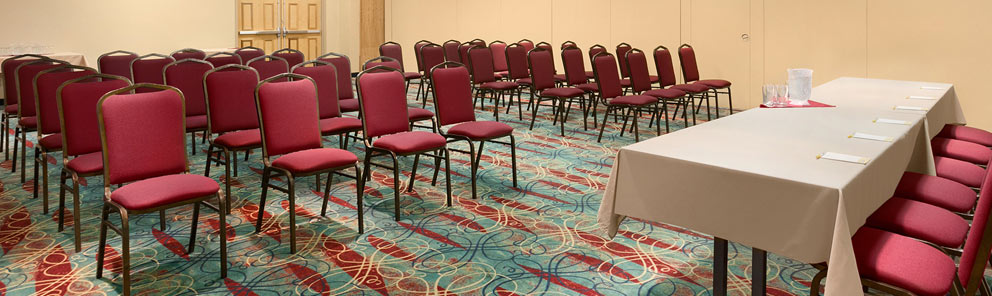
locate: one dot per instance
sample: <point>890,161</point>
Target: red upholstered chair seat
<point>963,150</point>
<point>10,109</point>
<point>590,74</point>
<point>498,76</point>
<point>625,82</point>
<point>667,93</point>
<point>503,73</point>
<point>633,100</point>
<point>560,77</point>
<point>500,85</point>
<point>481,130</point>
<point>902,261</point>
<point>159,191</point>
<point>337,125</point>
<point>412,75</point>
<point>937,191</point>
<point>240,139</point>
<point>28,122</point>
<point>588,87</point>
<point>965,133</point>
<point>312,160</point>
<point>89,163</point>
<point>692,87</point>
<point>196,122</point>
<point>653,78</point>
<point>348,105</point>
<point>410,142</point>
<point>920,220</point>
<point>959,171</point>
<point>524,81</point>
<point>51,142</point>
<point>715,83</point>
<point>562,92</point>
<point>418,114</point>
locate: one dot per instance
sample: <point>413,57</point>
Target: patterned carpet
<point>540,238</point>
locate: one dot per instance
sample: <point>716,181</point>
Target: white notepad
<point>921,98</point>
<point>843,157</point>
<point>910,108</point>
<point>865,136</point>
<point>890,121</point>
<point>932,87</point>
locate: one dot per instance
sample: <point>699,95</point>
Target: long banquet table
<point>755,177</point>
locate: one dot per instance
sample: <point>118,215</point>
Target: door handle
<point>258,32</point>
<point>745,36</point>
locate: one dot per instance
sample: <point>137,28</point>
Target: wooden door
<point>276,24</point>
<point>719,32</point>
<point>258,24</point>
<point>302,26</point>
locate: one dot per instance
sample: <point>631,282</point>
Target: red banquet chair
<point>219,59</point>
<point>187,76</point>
<point>289,119</point>
<point>144,151</point>
<point>527,44</point>
<point>81,157</point>
<point>547,46</point>
<point>959,149</point>
<point>46,84</point>
<point>542,88</point>
<point>484,81</point>
<point>575,76</point>
<point>621,51</point>
<point>324,75</point>
<point>116,62</point>
<point>451,51</point>
<point>249,52</point>
<point>346,93</point>
<point>268,66</point>
<point>148,69</point>
<point>567,44</point>
<point>293,57</point>
<point>232,121</point>
<point>611,95</point>
<point>453,97</point>
<point>640,84</point>
<point>499,58</point>
<point>416,53</point>
<point>966,133</point>
<point>395,51</point>
<point>431,55</point>
<point>463,51</point>
<point>478,42</point>
<point>666,79</point>
<point>27,120</point>
<point>517,70</point>
<point>593,51</point>
<point>380,94</point>
<point>415,114</point>
<point>690,74</point>
<point>10,94</point>
<point>188,53</point>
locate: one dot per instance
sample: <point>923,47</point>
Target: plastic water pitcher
<point>800,86</point>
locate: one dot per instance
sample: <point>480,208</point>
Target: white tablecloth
<point>71,57</point>
<point>754,177</point>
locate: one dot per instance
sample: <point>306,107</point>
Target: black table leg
<point>720,267</point>
<point>759,267</point>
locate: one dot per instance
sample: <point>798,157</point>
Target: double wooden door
<point>276,24</point>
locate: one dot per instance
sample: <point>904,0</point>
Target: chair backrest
<point>188,53</point>
<point>381,61</point>
<point>223,58</point>
<point>478,42</point>
<point>575,69</point>
<point>293,57</point>
<point>499,55</point>
<point>287,114</point>
<point>9,80</point>
<point>687,58</point>
<point>480,61</point>
<point>416,53</point>
<point>148,69</point>
<point>542,68</point>
<point>451,51</point>
<point>24,78</point>
<point>452,93</point>
<point>637,67</point>
<point>527,44</point>
<point>77,101</point>
<point>46,85</point>
<point>187,76</point>
<point>268,66</point>
<point>663,65</point>
<point>621,51</point>
<point>382,100</point>
<point>325,76</point>
<point>547,46</point>
<point>568,44</point>
<point>596,49</point>
<point>343,64</point>
<point>516,61</point>
<point>604,66</point>
<point>116,62</point>
<point>248,53</point>
<point>463,51</point>
<point>975,254</point>
<point>393,50</point>
<point>229,94</point>
<point>143,135</point>
<point>431,55</point>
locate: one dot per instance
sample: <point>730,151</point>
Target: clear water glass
<point>770,95</point>
<point>783,94</point>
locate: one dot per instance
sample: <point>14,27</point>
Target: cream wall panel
<point>415,20</point>
<point>585,22</point>
<point>715,33</point>
<point>807,34</point>
<point>644,24</point>
<point>520,19</point>
<point>476,19</point>
<point>341,19</point>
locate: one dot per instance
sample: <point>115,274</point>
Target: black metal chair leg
<point>192,231</point>
<point>327,190</point>
<point>62,178</point>
<point>102,248</point>
<point>396,186</point>
<point>261,201</point>
<point>361,194</point>
<point>447,174</point>
<point>292,214</point>
<point>76,225</point>
<point>413,172</point>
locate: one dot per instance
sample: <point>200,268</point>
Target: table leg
<point>759,267</point>
<point>720,267</point>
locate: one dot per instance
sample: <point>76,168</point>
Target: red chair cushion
<point>560,77</point>
<point>499,85</point>
<point>524,81</point>
<point>10,109</point>
<point>159,191</point>
<point>937,191</point>
<point>634,100</point>
<point>625,82</point>
<point>902,261</point>
<point>196,122</point>
<point>653,78</point>
<point>590,74</point>
<point>588,87</point>
<point>240,139</point>
<point>51,142</point>
<point>959,171</point>
<point>418,114</point>
<point>85,164</point>
<point>348,105</point>
<point>412,75</point>
<point>337,125</point>
<point>410,142</point>
<point>481,130</point>
<point>313,160</point>
<point>562,92</point>
<point>692,87</point>
<point>963,150</point>
<point>920,220</point>
<point>965,133</point>
<point>715,83</point>
<point>28,122</point>
<point>665,93</point>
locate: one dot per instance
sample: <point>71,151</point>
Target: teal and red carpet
<point>539,238</point>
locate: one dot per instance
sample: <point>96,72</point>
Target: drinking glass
<point>783,94</point>
<point>769,95</point>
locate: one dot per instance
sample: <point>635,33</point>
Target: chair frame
<point>188,49</point>
<point>6,117</point>
<point>191,132</point>
<point>568,43</point>
<point>123,230</point>
<point>21,132</point>
<point>119,51</point>
<point>289,50</point>
<point>247,48</point>
<point>617,107</point>
<point>371,151</point>
<point>716,91</point>
<point>228,161</point>
<point>223,53</point>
